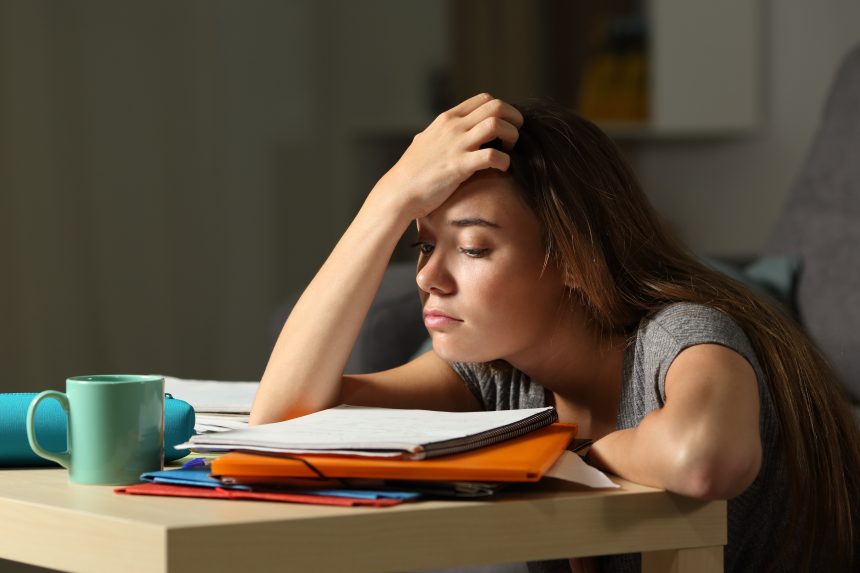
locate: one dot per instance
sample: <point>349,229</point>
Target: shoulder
<point>664,334</point>
<point>685,320</point>
<point>681,325</point>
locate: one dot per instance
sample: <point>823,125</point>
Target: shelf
<point>677,68</point>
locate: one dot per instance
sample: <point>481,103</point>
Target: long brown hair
<point>601,229</point>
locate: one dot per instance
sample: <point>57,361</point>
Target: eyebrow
<point>473,222</point>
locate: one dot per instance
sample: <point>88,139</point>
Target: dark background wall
<point>170,171</point>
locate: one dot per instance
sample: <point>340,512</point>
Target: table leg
<point>695,560</point>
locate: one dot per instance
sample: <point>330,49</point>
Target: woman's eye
<point>476,253</point>
<point>423,247</point>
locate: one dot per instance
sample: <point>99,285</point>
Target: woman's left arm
<point>705,441</point>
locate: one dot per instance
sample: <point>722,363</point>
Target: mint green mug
<point>115,427</point>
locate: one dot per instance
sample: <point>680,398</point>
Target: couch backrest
<point>393,330</point>
<point>821,222</point>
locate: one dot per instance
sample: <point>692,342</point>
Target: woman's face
<point>481,264</point>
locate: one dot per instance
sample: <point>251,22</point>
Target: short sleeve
<point>681,326</point>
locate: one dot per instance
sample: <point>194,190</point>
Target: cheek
<point>506,306</point>
<point>516,299</point>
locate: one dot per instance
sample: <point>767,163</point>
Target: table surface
<point>47,521</point>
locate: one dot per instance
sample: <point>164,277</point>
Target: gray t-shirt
<point>756,517</point>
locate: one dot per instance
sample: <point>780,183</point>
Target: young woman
<point>547,279</point>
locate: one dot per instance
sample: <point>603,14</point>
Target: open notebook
<point>380,432</point>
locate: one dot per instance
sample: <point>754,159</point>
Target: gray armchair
<point>821,222</point>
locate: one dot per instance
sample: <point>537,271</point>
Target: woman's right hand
<point>448,152</point>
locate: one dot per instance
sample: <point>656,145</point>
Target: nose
<point>433,276</point>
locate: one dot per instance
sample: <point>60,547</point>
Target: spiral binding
<point>489,437</point>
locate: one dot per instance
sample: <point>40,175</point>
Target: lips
<point>437,319</point>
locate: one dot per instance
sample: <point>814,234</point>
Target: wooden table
<point>46,521</point>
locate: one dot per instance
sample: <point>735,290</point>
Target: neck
<point>578,367</point>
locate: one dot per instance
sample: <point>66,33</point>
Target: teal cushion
<point>51,426</point>
<point>774,276</point>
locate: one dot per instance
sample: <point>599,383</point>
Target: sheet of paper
<point>204,428</point>
<point>213,396</point>
<point>571,467</point>
<point>216,449</point>
<point>366,428</point>
<point>226,422</point>
<point>219,422</point>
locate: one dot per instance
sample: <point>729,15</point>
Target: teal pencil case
<point>50,423</point>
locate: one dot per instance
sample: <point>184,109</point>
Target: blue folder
<point>198,476</point>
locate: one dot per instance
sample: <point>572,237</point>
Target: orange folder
<point>522,459</point>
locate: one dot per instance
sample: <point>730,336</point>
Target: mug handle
<point>62,458</point>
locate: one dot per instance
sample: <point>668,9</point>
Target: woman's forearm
<point>657,454</point>
<point>623,454</point>
<point>306,366</point>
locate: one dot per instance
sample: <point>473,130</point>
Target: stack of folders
<point>353,455</point>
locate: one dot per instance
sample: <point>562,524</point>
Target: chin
<point>450,352</point>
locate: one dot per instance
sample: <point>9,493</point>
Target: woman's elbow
<point>717,476</point>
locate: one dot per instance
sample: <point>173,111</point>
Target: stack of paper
<point>381,432</point>
<point>219,406</point>
<point>204,423</point>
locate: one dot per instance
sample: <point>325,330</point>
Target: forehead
<point>488,195</point>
